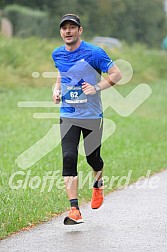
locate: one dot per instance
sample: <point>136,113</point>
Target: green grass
<point>138,144</point>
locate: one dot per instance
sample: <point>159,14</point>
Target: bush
<point>27,22</point>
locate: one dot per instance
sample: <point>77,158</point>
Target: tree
<point>130,20</point>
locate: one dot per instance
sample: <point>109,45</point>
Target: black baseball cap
<point>70,17</point>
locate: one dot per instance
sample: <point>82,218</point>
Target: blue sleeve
<point>54,57</point>
<point>101,60</point>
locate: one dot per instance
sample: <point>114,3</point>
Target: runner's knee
<point>95,162</point>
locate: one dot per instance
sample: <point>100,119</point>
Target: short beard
<point>72,43</point>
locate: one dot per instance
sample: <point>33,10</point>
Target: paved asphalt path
<point>130,220</point>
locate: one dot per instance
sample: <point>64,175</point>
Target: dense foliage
<point>130,20</point>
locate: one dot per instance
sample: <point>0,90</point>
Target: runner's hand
<point>88,89</point>
<point>56,96</point>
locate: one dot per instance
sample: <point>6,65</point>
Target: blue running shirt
<point>83,64</point>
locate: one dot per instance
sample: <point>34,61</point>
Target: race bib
<point>74,94</point>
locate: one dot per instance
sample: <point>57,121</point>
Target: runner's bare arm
<point>114,75</point>
<point>57,90</point>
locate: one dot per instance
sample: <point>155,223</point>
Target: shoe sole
<point>69,221</point>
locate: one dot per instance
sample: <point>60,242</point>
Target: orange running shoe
<point>74,217</point>
<point>97,197</point>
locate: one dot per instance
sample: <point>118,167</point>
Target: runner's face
<point>70,33</point>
